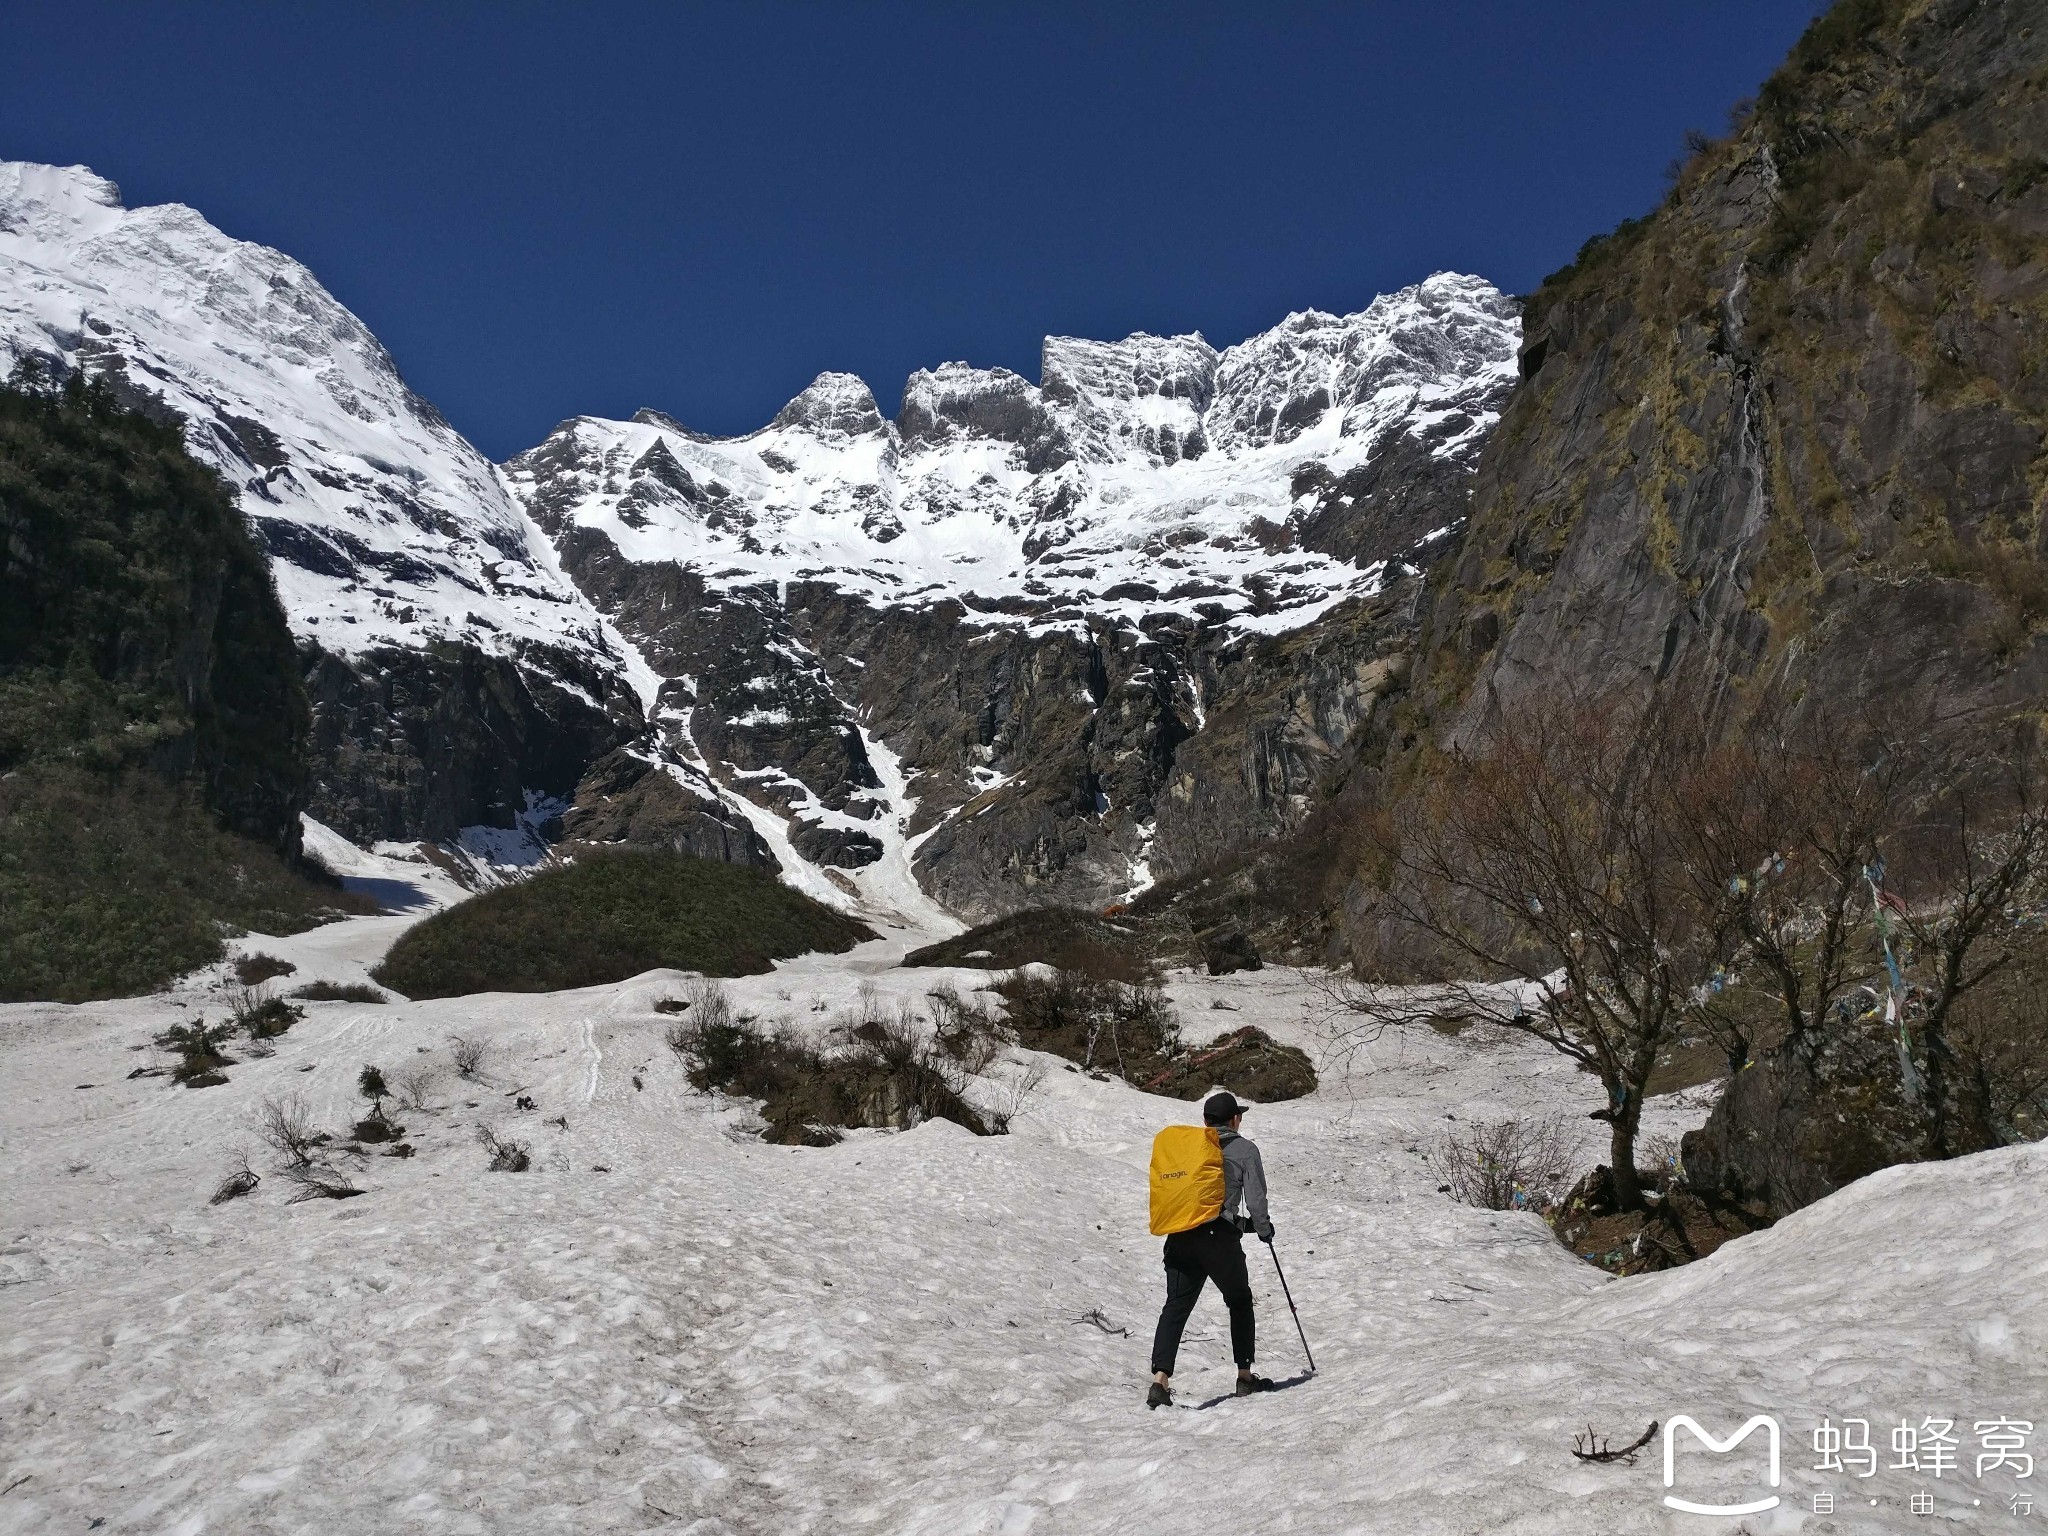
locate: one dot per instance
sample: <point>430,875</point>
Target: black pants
<point>1212,1252</point>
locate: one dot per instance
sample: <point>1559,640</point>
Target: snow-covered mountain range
<point>1139,475</point>
<point>832,643</point>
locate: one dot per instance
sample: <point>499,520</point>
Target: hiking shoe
<point>1159,1397</point>
<point>1247,1385</point>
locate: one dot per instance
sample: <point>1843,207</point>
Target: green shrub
<point>113,885</point>
<point>265,1018</point>
<point>200,1057</point>
<point>611,915</point>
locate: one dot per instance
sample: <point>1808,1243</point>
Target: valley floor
<point>667,1327</point>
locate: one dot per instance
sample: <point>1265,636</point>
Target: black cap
<point>1220,1109</point>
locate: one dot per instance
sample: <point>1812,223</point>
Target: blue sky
<point>553,210</point>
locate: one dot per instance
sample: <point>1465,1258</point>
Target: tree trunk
<point>1621,1151</point>
<point>1936,1079</point>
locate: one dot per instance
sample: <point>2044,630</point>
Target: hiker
<point>1215,1251</point>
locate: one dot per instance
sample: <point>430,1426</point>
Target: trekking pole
<point>1290,1307</point>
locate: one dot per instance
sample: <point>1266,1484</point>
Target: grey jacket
<point>1244,1181</point>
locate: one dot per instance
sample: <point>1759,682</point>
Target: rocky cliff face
<point>139,632</point>
<point>1787,429</point>
<point>1793,421</point>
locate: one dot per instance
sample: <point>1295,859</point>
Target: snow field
<point>717,1336</point>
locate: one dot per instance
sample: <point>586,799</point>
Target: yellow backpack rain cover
<point>1187,1178</point>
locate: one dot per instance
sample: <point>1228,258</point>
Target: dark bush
<point>376,1127</point>
<point>971,1030</point>
<point>1134,1033</point>
<point>254,970</point>
<point>340,992</point>
<point>1066,937</point>
<point>800,1100</point>
<point>1130,1030</point>
<point>611,915</point>
<point>890,1073</point>
<point>901,1076</point>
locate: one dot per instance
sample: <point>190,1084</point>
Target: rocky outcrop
<point>1051,765</point>
<point>1786,432</point>
<point>425,743</point>
<point>1805,1120</point>
<point>628,798</point>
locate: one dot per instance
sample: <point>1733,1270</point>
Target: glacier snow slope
<point>667,1327</point>
<point>384,525</point>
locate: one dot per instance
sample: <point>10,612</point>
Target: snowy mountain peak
<point>1402,357</point>
<point>832,405</point>
<point>384,526</point>
<point>1143,395</point>
<point>955,402</point>
<point>48,201</point>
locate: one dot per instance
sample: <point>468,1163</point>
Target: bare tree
<point>468,1054</point>
<point>1778,827</point>
<point>1555,849</point>
<point>1971,888</point>
<point>413,1084</point>
<point>1018,1089</point>
<point>2000,1080</point>
<point>286,1126</point>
